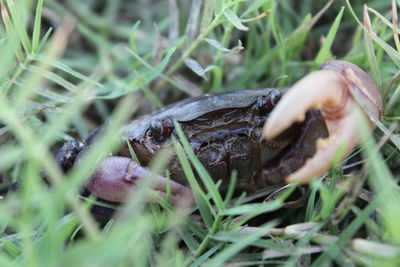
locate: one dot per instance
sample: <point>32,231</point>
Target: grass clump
<point>69,66</point>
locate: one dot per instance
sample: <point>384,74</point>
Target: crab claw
<point>340,90</point>
<point>115,177</point>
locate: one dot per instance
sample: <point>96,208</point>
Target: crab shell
<point>225,132</point>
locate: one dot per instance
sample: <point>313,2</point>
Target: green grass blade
<point>232,249</point>
<point>310,210</point>
<point>11,32</point>
<point>345,236</point>
<point>234,19</point>
<point>324,53</point>
<point>10,248</point>
<point>200,198</point>
<point>61,66</point>
<point>19,27</point>
<point>393,54</point>
<point>255,5</point>
<point>203,258</point>
<point>204,175</point>
<point>157,71</point>
<point>369,46</point>
<point>147,92</point>
<point>44,39</point>
<point>254,208</point>
<point>37,27</point>
<point>57,79</point>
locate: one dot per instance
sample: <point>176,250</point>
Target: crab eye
<point>266,103</point>
<point>275,97</point>
<point>156,127</point>
<point>159,130</point>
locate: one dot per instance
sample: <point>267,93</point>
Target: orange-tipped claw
<point>340,90</point>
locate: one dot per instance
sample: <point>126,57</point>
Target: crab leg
<point>340,90</point>
<point>115,177</point>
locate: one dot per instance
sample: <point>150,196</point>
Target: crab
<point>269,136</point>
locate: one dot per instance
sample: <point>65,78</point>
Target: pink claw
<point>116,177</point>
<point>340,90</point>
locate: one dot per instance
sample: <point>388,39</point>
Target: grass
<point>69,66</point>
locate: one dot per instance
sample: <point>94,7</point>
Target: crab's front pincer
<point>342,91</point>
